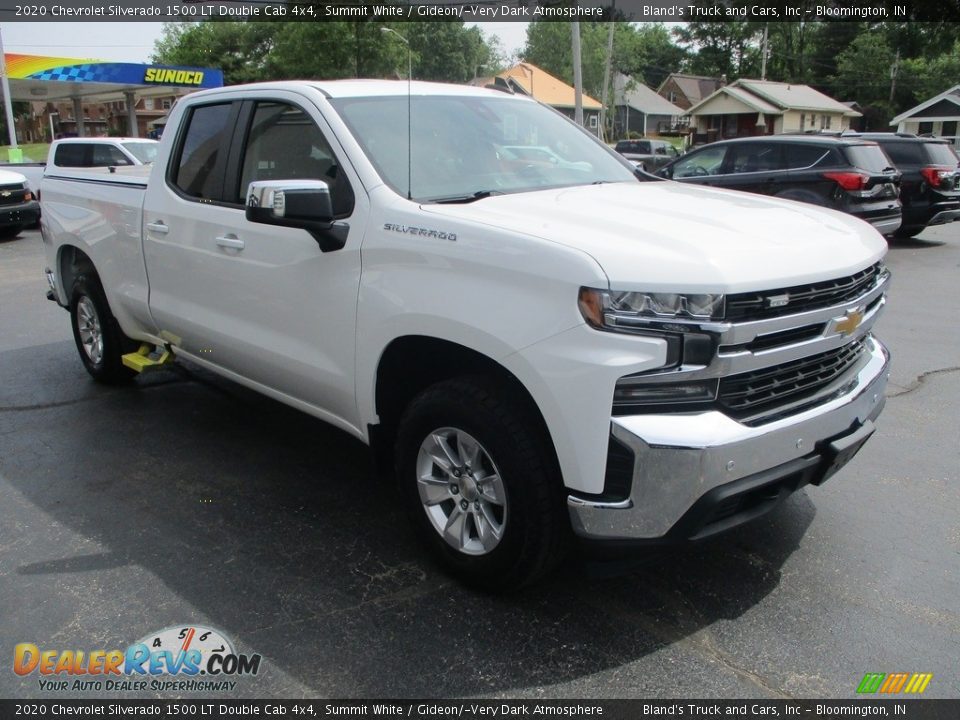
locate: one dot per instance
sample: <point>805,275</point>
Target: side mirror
<point>301,204</point>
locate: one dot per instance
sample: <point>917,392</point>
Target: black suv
<point>848,174</point>
<point>930,187</point>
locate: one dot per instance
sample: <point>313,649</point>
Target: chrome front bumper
<point>679,458</point>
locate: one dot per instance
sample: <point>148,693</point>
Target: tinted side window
<point>285,144</point>
<point>104,155</point>
<point>940,153</point>
<point>196,167</point>
<point>753,157</point>
<point>867,157</point>
<point>699,164</point>
<point>71,155</point>
<point>904,153</point>
<point>802,156</point>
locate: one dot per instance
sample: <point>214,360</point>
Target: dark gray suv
<point>848,174</point>
<point>930,187</point>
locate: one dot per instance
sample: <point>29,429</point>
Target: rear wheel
<point>478,480</point>
<point>906,233</point>
<point>100,341</point>
<point>10,231</point>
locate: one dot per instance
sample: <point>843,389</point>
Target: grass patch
<point>32,152</point>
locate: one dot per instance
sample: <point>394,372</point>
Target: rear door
<point>753,167</point>
<point>259,301</point>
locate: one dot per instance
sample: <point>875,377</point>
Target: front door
<point>259,301</point>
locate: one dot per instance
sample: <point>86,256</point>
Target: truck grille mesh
<point>772,387</point>
<point>756,305</point>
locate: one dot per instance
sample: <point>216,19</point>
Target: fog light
<point>632,391</point>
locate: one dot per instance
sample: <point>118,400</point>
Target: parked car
<point>101,152</point>
<point>930,184</point>
<point>18,208</point>
<point>647,153</point>
<point>848,174</point>
<point>534,352</point>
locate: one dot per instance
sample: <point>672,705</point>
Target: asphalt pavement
<point>188,500</point>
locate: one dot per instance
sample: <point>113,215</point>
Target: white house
<point>939,115</point>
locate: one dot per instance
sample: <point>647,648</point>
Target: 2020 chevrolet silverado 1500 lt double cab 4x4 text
<point>539,348</point>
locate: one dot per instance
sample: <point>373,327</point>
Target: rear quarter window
<point>867,157</point>
<point>940,154</point>
<point>904,153</point>
<point>71,155</point>
<point>801,156</point>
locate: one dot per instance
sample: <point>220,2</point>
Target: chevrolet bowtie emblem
<point>6,193</point>
<point>850,322</point>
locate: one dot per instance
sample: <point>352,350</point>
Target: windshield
<point>468,146</point>
<point>145,152</point>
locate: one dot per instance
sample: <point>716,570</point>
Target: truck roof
<point>361,88</point>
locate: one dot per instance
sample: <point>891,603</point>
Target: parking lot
<point>185,499</point>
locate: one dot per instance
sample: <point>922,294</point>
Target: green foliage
<point>730,48</point>
<point>926,78</point>
<point>249,52</point>
<point>240,49</point>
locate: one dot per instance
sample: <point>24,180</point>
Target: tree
<point>650,54</point>
<point>248,52</point>
<point>239,49</point>
<point>729,49</point>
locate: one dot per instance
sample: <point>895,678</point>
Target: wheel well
<point>411,364</point>
<point>73,263</point>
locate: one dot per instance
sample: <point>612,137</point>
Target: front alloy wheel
<point>89,330</point>
<point>461,491</point>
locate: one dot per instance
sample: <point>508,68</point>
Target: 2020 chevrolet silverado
<point>539,348</point>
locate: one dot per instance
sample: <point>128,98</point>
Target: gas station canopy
<point>44,78</point>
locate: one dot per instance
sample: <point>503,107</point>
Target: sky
<point>133,42</point>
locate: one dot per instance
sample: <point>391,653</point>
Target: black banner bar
<point>911,708</point>
<point>479,10</point>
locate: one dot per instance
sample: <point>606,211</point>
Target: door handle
<point>228,241</point>
<point>158,227</point>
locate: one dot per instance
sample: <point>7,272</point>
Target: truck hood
<point>8,177</point>
<point>674,237</point>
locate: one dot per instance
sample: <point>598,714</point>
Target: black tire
<point>104,363</point>
<point>905,233</point>
<point>10,231</point>
<point>536,527</point>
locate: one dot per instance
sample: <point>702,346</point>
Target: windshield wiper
<point>463,199</point>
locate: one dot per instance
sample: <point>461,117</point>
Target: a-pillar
<point>78,114</point>
<point>131,97</point>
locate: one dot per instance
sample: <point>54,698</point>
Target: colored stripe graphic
<point>894,683</point>
<point>918,683</point>
<point>914,683</point>
<point>871,682</point>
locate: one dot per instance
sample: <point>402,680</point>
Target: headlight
<point>621,310</point>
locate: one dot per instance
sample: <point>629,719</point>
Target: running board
<point>143,359</point>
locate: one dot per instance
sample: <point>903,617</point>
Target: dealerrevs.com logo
<point>183,658</point>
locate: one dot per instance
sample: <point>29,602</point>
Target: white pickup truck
<point>541,350</point>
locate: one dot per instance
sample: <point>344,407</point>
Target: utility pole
<point>7,100</point>
<point>763,59</point>
<point>577,74</point>
<point>606,83</point>
<point>894,71</point>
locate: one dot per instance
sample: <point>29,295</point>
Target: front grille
<point>12,194</point>
<point>761,390</point>
<point>800,298</point>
